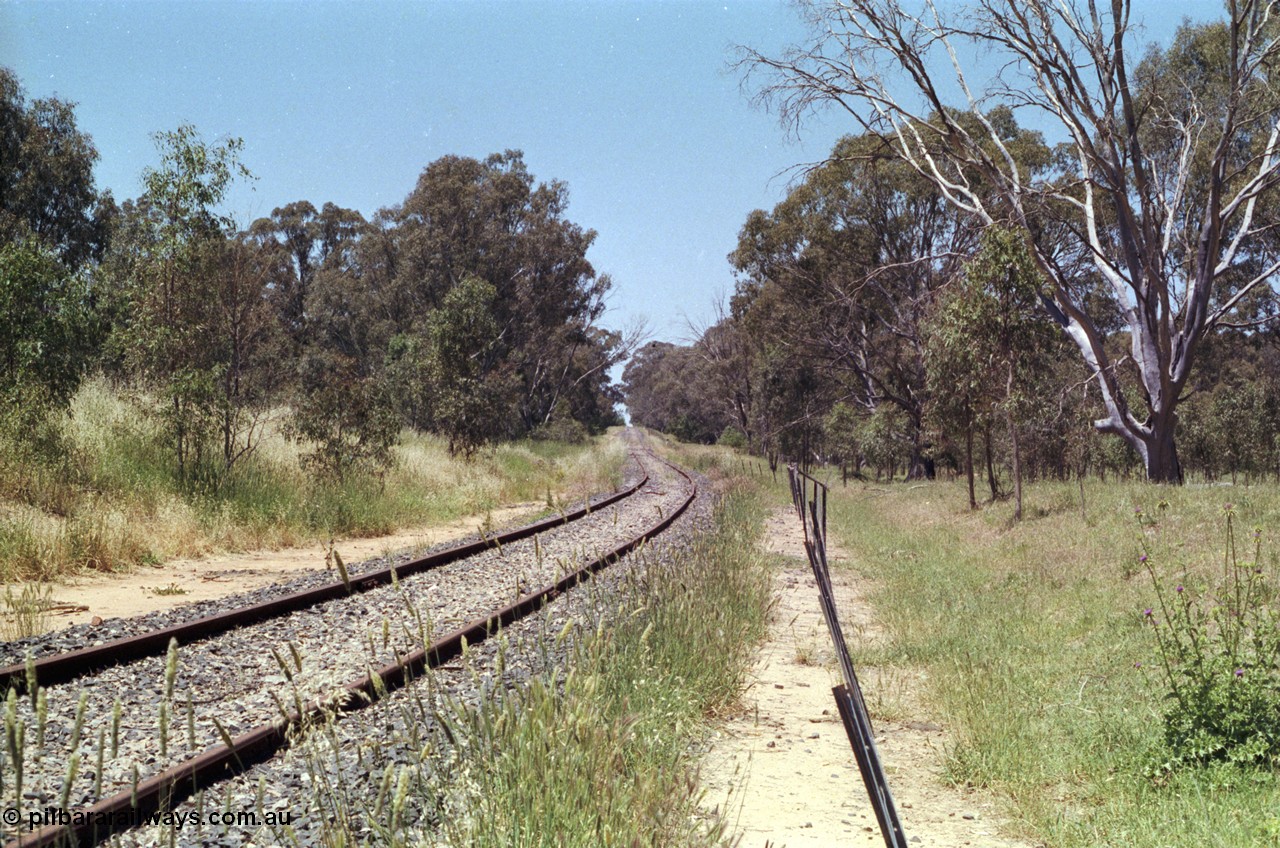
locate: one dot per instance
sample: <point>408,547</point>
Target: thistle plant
<point>1219,659</point>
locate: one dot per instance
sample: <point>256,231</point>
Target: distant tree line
<point>468,310</point>
<point>949,289</point>
<point>876,326</point>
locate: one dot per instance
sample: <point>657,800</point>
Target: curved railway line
<point>135,726</point>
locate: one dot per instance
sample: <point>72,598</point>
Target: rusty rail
<point>174,785</point>
<point>70,665</point>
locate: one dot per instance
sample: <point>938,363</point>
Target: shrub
<point>1220,662</point>
<point>732,437</point>
<point>562,429</point>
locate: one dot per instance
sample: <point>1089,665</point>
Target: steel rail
<point>117,813</point>
<point>70,665</point>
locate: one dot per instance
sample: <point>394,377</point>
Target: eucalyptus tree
<point>667,387</point>
<point>991,348</point>
<point>46,332</point>
<point>187,300</point>
<point>306,239</point>
<point>845,269</point>
<point>1163,185</point>
<point>54,225</point>
<point>727,351</point>
<point>47,190</point>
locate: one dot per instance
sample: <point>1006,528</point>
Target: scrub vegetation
<point>116,501</point>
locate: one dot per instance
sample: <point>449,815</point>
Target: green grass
<point>601,756</point>
<point>111,498</point>
<point>1030,634</point>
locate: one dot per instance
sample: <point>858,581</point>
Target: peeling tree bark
<point>1163,192</point>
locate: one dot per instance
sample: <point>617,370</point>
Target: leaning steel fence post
<point>848,695</point>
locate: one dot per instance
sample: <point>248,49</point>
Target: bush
<point>1220,662</point>
<point>732,437</point>
<point>561,429</point>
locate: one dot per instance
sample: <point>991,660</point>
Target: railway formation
<point>145,727</point>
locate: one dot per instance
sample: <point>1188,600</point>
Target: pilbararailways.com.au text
<point>119,819</point>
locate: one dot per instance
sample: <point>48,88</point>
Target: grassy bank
<point>114,500</point>
<point>1039,654</point>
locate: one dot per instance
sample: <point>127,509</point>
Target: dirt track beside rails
<point>783,771</point>
<point>151,589</point>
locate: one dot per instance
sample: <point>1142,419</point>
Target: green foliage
<point>732,437</point>
<point>840,433</point>
<point>186,301</point>
<point>46,331</point>
<point>347,421</point>
<point>1233,429</point>
<point>991,351</point>
<point>1220,661</point>
<point>470,395</point>
<point>671,388</point>
<point>884,438</point>
<point>46,178</point>
<point>472,301</point>
<point>563,428</point>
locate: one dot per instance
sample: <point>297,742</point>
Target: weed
<point>27,613</point>
<point>1219,651</point>
<point>171,589</point>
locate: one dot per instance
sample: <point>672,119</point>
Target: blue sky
<point>633,104</point>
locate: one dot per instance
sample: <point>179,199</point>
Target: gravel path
<point>238,680</point>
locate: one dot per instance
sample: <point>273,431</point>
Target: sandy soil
<point>183,581</point>
<point>783,771</point>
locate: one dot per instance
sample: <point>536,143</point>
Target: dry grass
<point>115,501</point>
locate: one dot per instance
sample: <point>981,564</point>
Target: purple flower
<point>1239,672</point>
<point>1137,665</point>
<point>1147,612</point>
<point>1178,590</point>
<point>1142,558</point>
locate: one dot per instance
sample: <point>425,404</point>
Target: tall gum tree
<point>1161,187</point>
<point>846,267</point>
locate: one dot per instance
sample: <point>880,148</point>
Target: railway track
<point>130,731</point>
